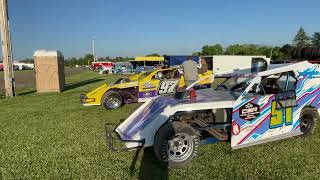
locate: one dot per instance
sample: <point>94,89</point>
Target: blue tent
<point>178,60</point>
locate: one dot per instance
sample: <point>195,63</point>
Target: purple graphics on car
<point>146,115</point>
<point>148,94</point>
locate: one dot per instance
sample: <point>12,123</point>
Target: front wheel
<point>176,144</point>
<point>112,100</point>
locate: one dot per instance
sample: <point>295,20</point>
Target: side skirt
<point>283,136</point>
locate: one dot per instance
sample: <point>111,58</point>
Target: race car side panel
<point>148,87</point>
<point>95,96</point>
<point>273,124</point>
<point>146,120</point>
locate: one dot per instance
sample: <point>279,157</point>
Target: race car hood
<point>143,116</point>
<point>103,87</point>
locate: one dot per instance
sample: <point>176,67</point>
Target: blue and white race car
<point>281,102</point>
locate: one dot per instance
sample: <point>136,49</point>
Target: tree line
<point>300,45</point>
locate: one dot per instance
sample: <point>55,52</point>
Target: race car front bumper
<point>84,99</point>
<point>113,139</point>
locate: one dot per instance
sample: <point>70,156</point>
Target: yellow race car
<point>140,88</point>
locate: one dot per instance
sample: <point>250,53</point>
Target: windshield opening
<point>235,84</point>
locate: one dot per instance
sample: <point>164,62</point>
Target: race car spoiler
<point>111,139</point>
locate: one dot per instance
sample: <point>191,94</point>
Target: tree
<point>216,49</point>
<point>286,50</point>
<point>316,39</point>
<point>27,60</point>
<point>196,54</point>
<point>153,54</point>
<point>301,38</point>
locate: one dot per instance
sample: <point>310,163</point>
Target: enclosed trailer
<point>232,63</point>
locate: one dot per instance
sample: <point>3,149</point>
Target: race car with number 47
<point>140,88</point>
<point>245,109</point>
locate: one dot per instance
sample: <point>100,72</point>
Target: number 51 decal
<point>168,87</point>
<point>280,116</point>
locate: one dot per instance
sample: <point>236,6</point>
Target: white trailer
<point>24,66</point>
<point>232,63</point>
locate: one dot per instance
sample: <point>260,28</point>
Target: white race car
<point>280,102</point>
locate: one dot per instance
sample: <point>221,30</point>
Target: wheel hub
<point>180,147</point>
<point>305,123</point>
<point>112,102</point>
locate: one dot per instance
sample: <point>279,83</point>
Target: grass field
<point>53,136</point>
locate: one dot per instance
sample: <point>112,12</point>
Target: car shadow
<point>150,167</point>
<point>81,83</point>
<point>26,93</point>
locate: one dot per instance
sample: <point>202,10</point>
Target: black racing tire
<point>308,121</point>
<point>112,100</point>
<point>176,144</point>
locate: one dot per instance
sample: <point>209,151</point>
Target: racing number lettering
<point>278,117</point>
<point>168,87</point>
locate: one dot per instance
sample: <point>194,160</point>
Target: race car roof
<point>272,69</point>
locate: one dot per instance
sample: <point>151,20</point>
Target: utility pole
<point>6,50</point>
<point>93,50</point>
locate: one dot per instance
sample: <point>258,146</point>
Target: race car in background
<point>140,88</point>
<point>247,109</point>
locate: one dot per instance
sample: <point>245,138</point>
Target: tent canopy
<point>149,58</point>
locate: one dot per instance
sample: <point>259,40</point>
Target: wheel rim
<point>112,101</point>
<point>305,122</point>
<point>180,147</point>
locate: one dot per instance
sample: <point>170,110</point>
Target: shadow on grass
<point>82,83</point>
<point>26,93</point>
<point>150,167</point>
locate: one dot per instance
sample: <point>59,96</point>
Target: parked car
<point>278,103</point>
<point>140,88</point>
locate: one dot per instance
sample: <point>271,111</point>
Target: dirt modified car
<point>280,102</point>
<point>140,88</point>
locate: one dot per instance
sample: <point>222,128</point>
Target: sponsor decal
<point>147,94</point>
<point>235,128</point>
<point>148,85</point>
<point>249,111</point>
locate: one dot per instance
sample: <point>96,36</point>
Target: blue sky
<point>139,27</point>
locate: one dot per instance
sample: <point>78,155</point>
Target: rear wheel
<point>176,144</point>
<point>112,100</point>
<point>308,121</point>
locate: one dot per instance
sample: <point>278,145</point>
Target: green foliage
<point>301,38</point>
<point>216,49</point>
<point>153,54</point>
<point>316,39</point>
<point>27,60</point>
<point>196,54</point>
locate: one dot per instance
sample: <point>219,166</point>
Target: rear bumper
<point>115,143</point>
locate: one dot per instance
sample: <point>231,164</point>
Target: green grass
<point>52,136</point>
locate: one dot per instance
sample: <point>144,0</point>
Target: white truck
<point>232,63</point>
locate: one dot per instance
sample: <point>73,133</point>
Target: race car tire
<point>112,100</point>
<point>308,121</point>
<point>176,144</point>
